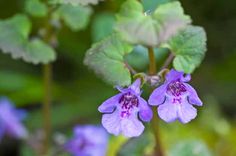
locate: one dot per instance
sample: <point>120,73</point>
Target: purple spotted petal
<point>173,75</point>
<point>193,97</point>
<point>112,122</point>
<point>132,127</point>
<point>186,112</point>
<point>145,112</point>
<point>135,86</point>
<point>168,112</point>
<point>109,105</point>
<point>158,96</point>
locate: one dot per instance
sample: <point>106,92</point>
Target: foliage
<point>119,38</point>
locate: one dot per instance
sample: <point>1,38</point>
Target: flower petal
<point>158,96</point>
<point>112,122</point>
<point>135,86</point>
<point>2,130</point>
<point>131,127</point>
<point>174,75</point>
<point>193,97</point>
<point>145,112</point>
<point>109,105</point>
<point>186,112</point>
<point>186,78</point>
<point>168,111</point>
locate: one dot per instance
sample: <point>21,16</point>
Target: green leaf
<point>14,41</point>
<point>75,2</point>
<point>190,148</point>
<point>189,46</point>
<point>14,34</point>
<point>36,8</point>
<point>102,26</point>
<point>106,58</point>
<point>75,17</point>
<point>171,18</point>
<point>134,26</point>
<point>136,146</point>
<point>153,4</point>
<point>147,29</point>
<point>39,52</point>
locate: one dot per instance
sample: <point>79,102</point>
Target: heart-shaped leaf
<point>106,59</point>
<point>189,46</point>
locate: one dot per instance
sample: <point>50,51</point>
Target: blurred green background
<point>77,92</point>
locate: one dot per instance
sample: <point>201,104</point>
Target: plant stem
<point>154,123</point>
<point>152,61</point>
<point>47,78</point>
<point>168,60</point>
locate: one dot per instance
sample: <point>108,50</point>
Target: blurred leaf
<point>106,58</point>
<point>102,26</point>
<point>153,4</point>
<point>135,146</point>
<point>138,27</point>
<point>39,52</point>
<point>75,2</point>
<point>135,26</point>
<point>14,33</point>
<point>75,17</point>
<point>14,40</point>
<point>190,148</point>
<point>171,18</point>
<point>189,46</point>
<point>115,143</point>
<point>36,8</point>
<point>20,87</point>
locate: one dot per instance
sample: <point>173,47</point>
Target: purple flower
<point>122,111</point>
<point>175,98</point>
<point>88,141</point>
<point>10,120</point>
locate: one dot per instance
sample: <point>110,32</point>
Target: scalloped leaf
<point>148,29</point>
<point>189,46</point>
<point>75,17</point>
<point>171,18</point>
<point>106,59</point>
<point>136,27</point>
<point>39,52</point>
<point>14,41</point>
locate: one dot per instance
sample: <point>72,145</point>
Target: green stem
<point>154,123</point>
<point>47,78</point>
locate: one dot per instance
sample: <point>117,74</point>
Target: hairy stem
<point>154,123</point>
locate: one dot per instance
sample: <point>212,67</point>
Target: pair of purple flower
<point>174,99</point>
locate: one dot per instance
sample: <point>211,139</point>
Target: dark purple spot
<point>176,88</point>
<point>128,101</point>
